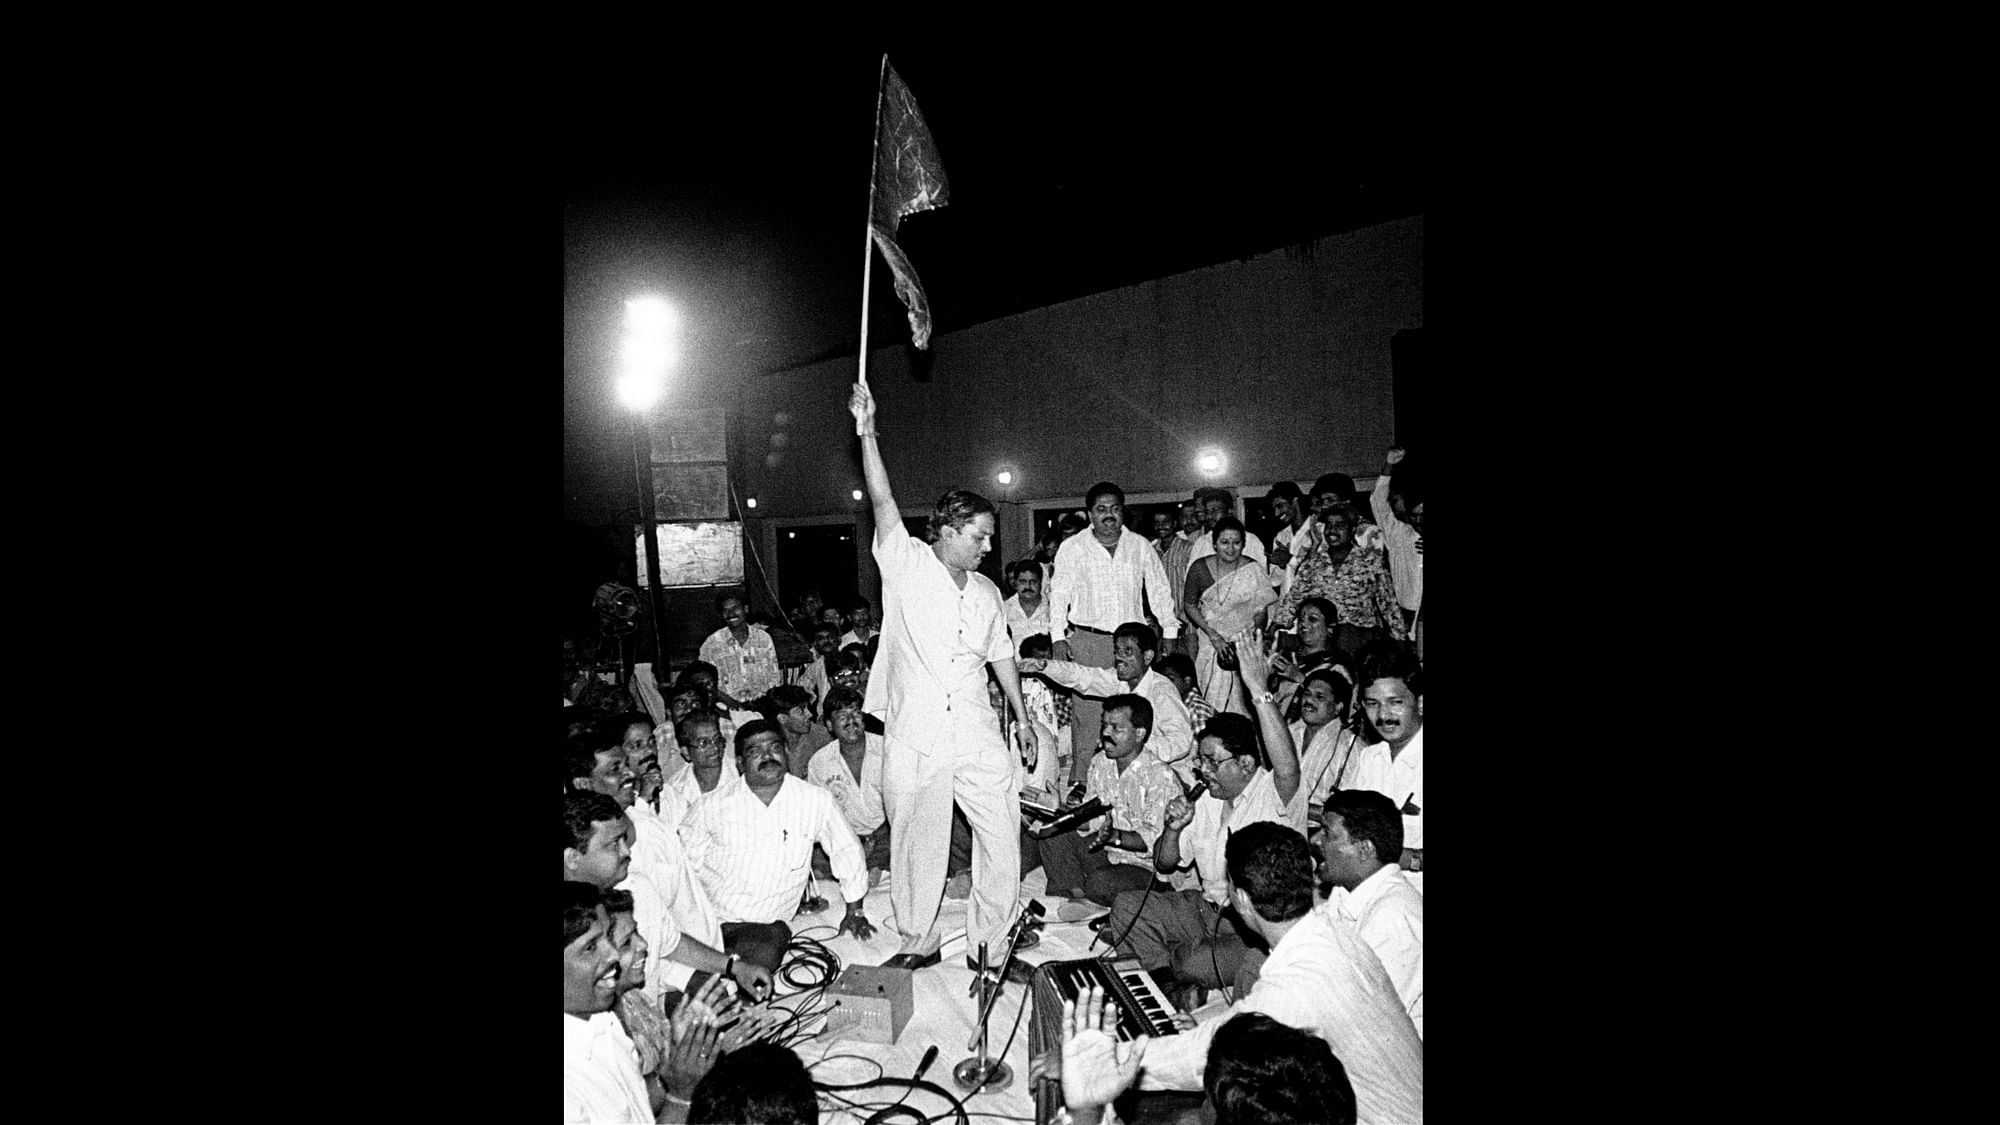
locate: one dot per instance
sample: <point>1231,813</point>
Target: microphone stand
<point>979,1071</point>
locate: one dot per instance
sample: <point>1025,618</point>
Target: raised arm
<point>1378,499</point>
<point>1255,669</point>
<point>888,518</point>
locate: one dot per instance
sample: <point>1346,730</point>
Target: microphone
<point>1089,810</point>
<point>1200,787</point>
<point>930,1057</point>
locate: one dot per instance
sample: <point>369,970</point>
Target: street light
<point>650,346</point>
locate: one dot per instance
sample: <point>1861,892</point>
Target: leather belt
<point>1088,629</point>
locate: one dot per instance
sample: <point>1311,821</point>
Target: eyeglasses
<point>716,743</point>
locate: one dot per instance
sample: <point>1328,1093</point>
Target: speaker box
<point>871,1003</point>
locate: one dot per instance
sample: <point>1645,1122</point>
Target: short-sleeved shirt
<point>745,670</point>
<point>1214,819</point>
<point>937,639</point>
<point>860,801</point>
<point>601,1080</point>
<point>1138,799</point>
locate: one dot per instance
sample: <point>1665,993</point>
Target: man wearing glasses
<point>1191,930</point>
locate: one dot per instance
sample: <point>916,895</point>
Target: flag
<point>908,178</point>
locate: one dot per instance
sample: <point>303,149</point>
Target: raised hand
<point>861,404</point>
<point>1394,456</point>
<point>1096,1068</point>
<point>1251,663</point>
<point>1180,814</point>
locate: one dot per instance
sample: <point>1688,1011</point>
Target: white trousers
<point>975,768</point>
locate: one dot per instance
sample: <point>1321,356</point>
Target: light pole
<point>651,345</point>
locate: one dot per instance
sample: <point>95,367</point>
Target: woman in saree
<point>1226,593</point>
<point>1288,670</point>
<point>1354,579</point>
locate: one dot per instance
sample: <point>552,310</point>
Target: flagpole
<point>868,243</point>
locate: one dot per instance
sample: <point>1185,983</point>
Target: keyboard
<point>1142,1010</point>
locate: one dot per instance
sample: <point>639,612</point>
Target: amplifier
<point>871,1003</point>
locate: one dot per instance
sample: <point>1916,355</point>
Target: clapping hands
<point>1096,1068</point>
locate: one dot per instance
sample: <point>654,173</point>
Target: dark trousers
<point>1074,871</point>
<point>760,943</point>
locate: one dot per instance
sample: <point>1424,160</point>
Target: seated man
<point>1362,826</point>
<point>685,698</point>
<point>790,707</point>
<point>1114,853</point>
<point>751,846</point>
<point>1133,647</point>
<point>850,768</point>
<point>601,1079</point>
<point>1321,977</point>
<point>705,745</point>
<point>1392,698</point>
<point>762,1083</point>
<point>1248,782</point>
<point>597,763</point>
<point>597,849</point>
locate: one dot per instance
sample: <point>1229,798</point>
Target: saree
<point>1231,606</point>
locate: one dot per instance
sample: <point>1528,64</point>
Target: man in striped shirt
<point>1103,578</point>
<point>751,843</point>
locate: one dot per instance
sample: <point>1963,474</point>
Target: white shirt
<point>1095,587</point>
<point>601,1080</point>
<point>754,859</point>
<point>1400,779</point>
<point>1321,977</point>
<point>937,639</point>
<point>1021,624</point>
<point>1172,741</point>
<point>1406,563</point>
<point>860,801</point>
<point>1388,912</point>
<point>1203,840</point>
<point>856,637</point>
<point>659,859</point>
<point>683,788</point>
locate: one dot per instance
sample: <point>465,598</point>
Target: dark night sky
<point>735,182</point>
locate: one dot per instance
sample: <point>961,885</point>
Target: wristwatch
<point>1266,697</point>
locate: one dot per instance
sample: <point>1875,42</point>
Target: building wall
<point>1282,361</point>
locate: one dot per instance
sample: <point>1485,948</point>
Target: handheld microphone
<point>930,1057</point>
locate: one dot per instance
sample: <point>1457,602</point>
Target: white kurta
<point>942,741</point>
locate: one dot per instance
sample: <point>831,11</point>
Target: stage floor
<point>942,1012</point>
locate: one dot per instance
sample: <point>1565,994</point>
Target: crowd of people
<point>1250,715</point>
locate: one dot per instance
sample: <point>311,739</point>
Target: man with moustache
<point>751,843</point>
<point>1188,930</point>
<point>1133,649</point>
<point>597,849</point>
<point>1113,853</point>
<point>1102,579</point>
<point>942,627</point>
<point>1392,698</point>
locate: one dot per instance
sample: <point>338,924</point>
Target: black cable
<point>1213,963</point>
